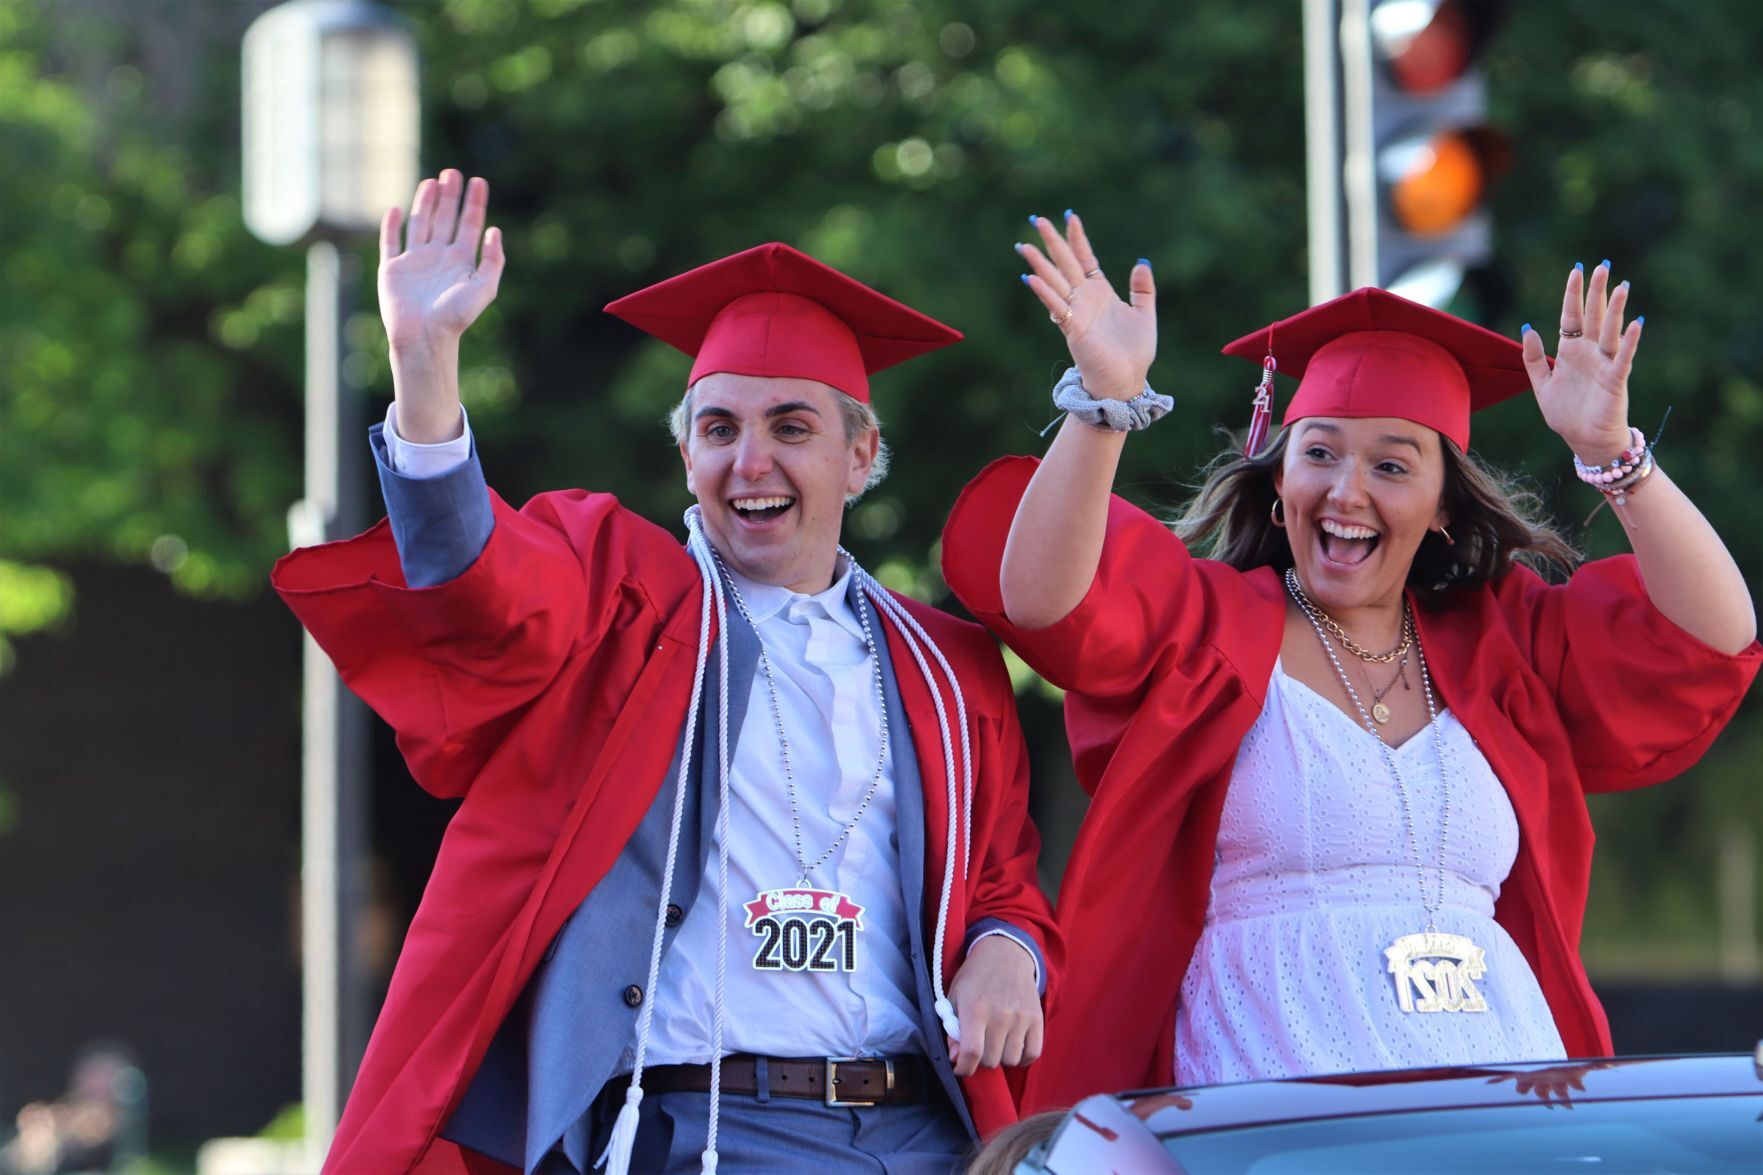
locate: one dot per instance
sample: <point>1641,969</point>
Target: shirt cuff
<point>424,461</point>
<point>987,927</point>
<point>441,522</point>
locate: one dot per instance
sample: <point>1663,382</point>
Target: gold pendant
<point>1380,712</point>
<point>1437,972</point>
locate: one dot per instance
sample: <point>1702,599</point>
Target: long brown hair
<point>1494,521</point>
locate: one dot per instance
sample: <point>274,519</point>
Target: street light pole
<point>335,772</point>
<point>331,132</point>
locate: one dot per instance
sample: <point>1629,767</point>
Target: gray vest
<point>565,1034</point>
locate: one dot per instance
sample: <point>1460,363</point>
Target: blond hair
<point>1001,1152</point>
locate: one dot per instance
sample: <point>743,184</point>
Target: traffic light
<point>1435,155</point>
<point>1400,156</point>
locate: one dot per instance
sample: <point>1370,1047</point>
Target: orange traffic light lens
<point>1440,185</point>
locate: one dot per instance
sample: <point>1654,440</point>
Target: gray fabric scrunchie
<point>1070,395</point>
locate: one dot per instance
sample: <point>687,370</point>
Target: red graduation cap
<point>773,311</point>
<point>1374,353</point>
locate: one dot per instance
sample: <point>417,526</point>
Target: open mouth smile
<point>1346,544</point>
<point>761,510</point>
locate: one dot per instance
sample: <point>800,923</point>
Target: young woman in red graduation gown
<point>1338,767</point>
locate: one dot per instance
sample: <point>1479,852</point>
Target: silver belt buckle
<point>830,1091</point>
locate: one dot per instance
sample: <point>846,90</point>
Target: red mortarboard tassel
<point>1262,413</point>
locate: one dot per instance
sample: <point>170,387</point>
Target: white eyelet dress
<point>1315,877</point>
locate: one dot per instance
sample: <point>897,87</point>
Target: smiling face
<point>1359,497</point>
<point>770,464</point>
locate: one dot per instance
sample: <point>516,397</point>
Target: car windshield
<point>1676,1135</point>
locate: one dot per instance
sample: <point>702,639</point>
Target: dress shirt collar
<point>765,600</point>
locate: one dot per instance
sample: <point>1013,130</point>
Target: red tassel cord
<point>1262,415</point>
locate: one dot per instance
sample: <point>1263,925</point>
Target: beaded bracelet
<point>1625,472</point>
<point>1621,467</point>
<point>1108,415</point>
<point>1618,492</point>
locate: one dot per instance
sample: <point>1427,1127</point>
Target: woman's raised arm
<point>1055,541</point>
<point>1691,577</point>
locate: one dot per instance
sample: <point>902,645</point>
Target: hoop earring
<point>1276,513</point>
<point>1449,541</point>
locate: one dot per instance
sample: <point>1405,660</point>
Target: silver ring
<point>1096,272</point>
<point>1058,321</point>
<point>1572,334</point>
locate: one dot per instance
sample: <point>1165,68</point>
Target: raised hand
<point>432,284</point>
<point>1111,341</point>
<point>1584,397</point>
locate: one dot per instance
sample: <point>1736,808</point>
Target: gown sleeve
<point>1157,641</point>
<point>1640,698</point>
<point>453,666</point>
<point>1151,606</point>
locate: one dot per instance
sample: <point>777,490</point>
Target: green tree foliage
<point>149,344</point>
<point>905,142</point>
<point>150,402</point>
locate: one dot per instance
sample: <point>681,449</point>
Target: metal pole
<point>1323,154</point>
<point>334,770</point>
<point>1359,159</point>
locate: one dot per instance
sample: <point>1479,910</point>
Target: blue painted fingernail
<point>1623,286</point>
<point>1034,219</point>
<point>1068,214</point>
<point>1579,267</point>
<point>1025,279</point>
<point>1605,263</point>
<point>1017,246</point>
<point>1525,329</point>
<point>1145,262</point>
<point>1641,320</point>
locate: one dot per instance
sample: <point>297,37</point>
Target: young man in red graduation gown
<point>727,799</point>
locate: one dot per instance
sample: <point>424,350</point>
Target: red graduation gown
<point>1566,689</point>
<point>546,687</point>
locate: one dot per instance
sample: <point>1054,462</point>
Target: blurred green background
<point>150,348</point>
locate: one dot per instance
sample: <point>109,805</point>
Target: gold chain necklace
<point>1335,630</point>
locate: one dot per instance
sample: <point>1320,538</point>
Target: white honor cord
<point>960,809</point>
<point>719,1016</point>
<point>616,1158</point>
<point>903,617</point>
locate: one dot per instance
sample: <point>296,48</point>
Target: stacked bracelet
<point>1070,395</point>
<point>1624,472</point>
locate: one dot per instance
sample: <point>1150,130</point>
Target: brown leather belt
<point>836,1081</point>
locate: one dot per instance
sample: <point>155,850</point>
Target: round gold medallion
<point>1380,712</point>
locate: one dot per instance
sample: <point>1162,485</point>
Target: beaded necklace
<point>1433,971</point>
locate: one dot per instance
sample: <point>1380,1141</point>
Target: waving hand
<point>1112,342</point>
<point>432,286</point>
<point>1584,397</point>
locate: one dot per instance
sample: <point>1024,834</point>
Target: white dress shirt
<point>827,701</point>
